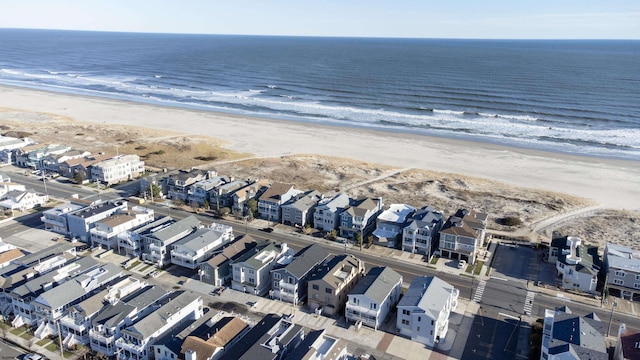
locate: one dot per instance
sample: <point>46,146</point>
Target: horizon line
<point>323,36</point>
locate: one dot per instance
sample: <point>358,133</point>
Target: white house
<point>105,232</point>
<point>577,264</point>
<point>371,300</point>
<point>252,270</point>
<point>420,234</point>
<point>270,201</point>
<point>23,200</point>
<point>390,223</point>
<point>117,169</point>
<point>136,339</point>
<point>423,311</point>
<point>196,247</point>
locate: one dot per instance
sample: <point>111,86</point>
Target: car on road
<point>268,230</point>
<point>33,356</point>
<point>462,264</point>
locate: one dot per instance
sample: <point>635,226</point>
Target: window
<point>418,329</point>
<point>373,306</point>
<point>419,318</point>
<point>618,281</point>
<point>636,286</point>
<point>315,287</point>
<point>328,290</point>
<point>619,273</point>
<point>277,276</point>
<point>275,284</point>
<point>405,322</point>
<point>637,277</point>
<point>406,312</point>
<point>432,322</point>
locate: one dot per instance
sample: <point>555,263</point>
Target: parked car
<point>33,356</point>
<point>462,264</point>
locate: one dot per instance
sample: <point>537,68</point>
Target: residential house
<point>298,211</point>
<point>271,338</point>
<point>75,324</point>
<point>198,246</point>
<point>8,147</point>
<point>275,196</point>
<point>424,310</point>
<point>84,219</point>
<point>71,167</point>
<point>222,196</point>
<point>107,325</point>
<point>371,300</point>
<point>105,232</point>
<point>390,222</point>
<point>330,283</point>
<point>137,338</point>
<point>252,270</point>
<point>318,345</point>
<point>176,185</point>
<point>56,219</point>
<point>198,193</point>
<point>211,343</point>
<point>118,169</point>
<point>577,264</point>
<point>462,236</point>
<point>628,344</point>
<point>23,200</point>
<point>8,186</point>
<point>51,162</point>
<point>32,156</point>
<point>242,196</point>
<point>568,336</point>
<point>420,235</point>
<point>158,241</point>
<point>289,282</point>
<point>131,242</point>
<point>359,217</point>
<point>217,270</point>
<point>326,217</point>
<point>7,256</point>
<point>622,268</point>
<point>54,303</point>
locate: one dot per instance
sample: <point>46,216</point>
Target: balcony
<point>153,248</point>
<point>52,222</point>
<point>129,345</point>
<point>105,339</point>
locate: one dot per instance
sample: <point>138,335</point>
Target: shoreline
<point>611,182</point>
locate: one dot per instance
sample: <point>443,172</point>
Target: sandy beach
<point>612,183</point>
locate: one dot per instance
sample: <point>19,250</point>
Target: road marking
<point>563,298</point>
<point>528,302</point>
<point>479,291</point>
<point>499,278</point>
<point>509,316</point>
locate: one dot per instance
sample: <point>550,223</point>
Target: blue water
<point>579,97</point>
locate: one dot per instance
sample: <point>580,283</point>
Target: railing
<point>100,337</point>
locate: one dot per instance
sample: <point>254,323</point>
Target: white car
<point>33,356</point>
<point>462,264</point>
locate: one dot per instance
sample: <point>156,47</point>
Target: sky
<point>491,19</point>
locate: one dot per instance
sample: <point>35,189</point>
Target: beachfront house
<point>137,339</point>
<point>326,216</point>
<point>424,310</point>
<point>272,338</point>
<point>252,271</point>
<point>298,211</point>
<point>289,282</point>
<point>462,236</point>
<point>217,270</point>
<point>420,234</point>
<point>390,222</point>
<point>198,193</point>
<point>211,340</point>
<point>329,284</point>
<point>196,247</point>
<point>577,264</point>
<point>359,217</point>
<point>81,221</point>
<point>222,196</point>
<point>51,163</point>
<point>275,196</point>
<point>569,336</point>
<point>120,168</point>
<point>622,269</point>
<point>241,197</point>
<point>105,232</point>
<point>8,147</point>
<point>32,156</point>
<point>107,325</point>
<point>157,241</point>
<point>177,185</point>
<point>82,165</point>
<point>375,295</point>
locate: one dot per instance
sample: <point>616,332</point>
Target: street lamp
<point>473,275</point>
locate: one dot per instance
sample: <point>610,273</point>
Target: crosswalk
<point>528,302</point>
<point>479,291</point>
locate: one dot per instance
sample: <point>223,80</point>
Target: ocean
<point>578,97</point>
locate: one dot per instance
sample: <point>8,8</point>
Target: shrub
<point>510,221</point>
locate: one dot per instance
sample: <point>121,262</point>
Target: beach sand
<point>612,183</point>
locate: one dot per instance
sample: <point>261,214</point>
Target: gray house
<point>326,217</point>
<point>299,209</point>
<point>569,336</point>
<point>622,266</point>
<point>420,235</point>
<point>289,282</point>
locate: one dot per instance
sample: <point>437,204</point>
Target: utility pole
<point>60,340</point>
<point>613,307</point>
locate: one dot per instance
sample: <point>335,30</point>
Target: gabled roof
<point>199,239</point>
<point>218,335</point>
<point>335,203</point>
<point>304,201</point>
<point>360,207</point>
<point>630,344</point>
<point>377,284</point>
<point>170,232</point>
<point>455,226</point>
<point>233,251</point>
<point>275,192</point>
<point>429,293</point>
<point>396,213</point>
<point>579,335</point>
<point>305,260</point>
<point>335,270</point>
<point>622,257</point>
<point>10,255</point>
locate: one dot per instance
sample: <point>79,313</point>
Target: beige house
<point>330,283</point>
<point>117,169</point>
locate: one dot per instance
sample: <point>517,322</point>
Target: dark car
<point>267,230</point>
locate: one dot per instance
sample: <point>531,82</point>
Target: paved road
<point>9,351</point>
